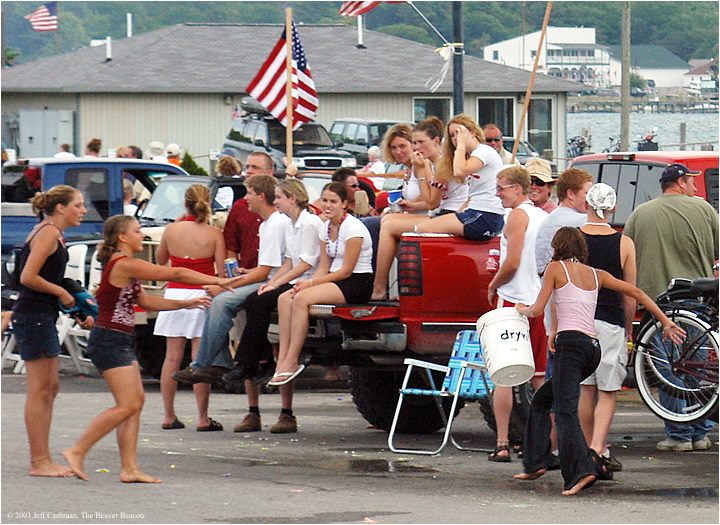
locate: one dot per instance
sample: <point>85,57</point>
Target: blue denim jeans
<point>684,432</point>
<point>213,348</point>
<point>576,357</point>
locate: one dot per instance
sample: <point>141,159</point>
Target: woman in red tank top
<point>189,243</point>
<point>111,343</point>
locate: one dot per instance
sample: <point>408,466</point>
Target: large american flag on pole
<point>44,18</point>
<point>356,8</point>
<point>268,86</point>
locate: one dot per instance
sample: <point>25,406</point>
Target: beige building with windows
<point>180,84</point>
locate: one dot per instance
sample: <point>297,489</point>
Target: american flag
<point>236,112</point>
<point>356,8</point>
<point>44,18</point>
<point>268,86</point>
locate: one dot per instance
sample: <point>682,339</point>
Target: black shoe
<point>266,371</point>
<point>612,463</point>
<point>238,375</point>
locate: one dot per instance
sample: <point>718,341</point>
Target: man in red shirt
<point>241,227</point>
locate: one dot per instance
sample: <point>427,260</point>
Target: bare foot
<point>378,295</point>
<point>530,476</point>
<point>46,467</point>
<point>584,482</point>
<point>75,461</point>
<point>137,476</point>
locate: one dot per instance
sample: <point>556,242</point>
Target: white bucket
<point>505,340</point>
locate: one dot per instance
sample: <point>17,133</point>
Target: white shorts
<point>611,372</point>
<point>186,323</point>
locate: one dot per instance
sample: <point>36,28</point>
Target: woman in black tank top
<point>42,266</point>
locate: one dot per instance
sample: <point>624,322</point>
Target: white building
<point>700,78</point>
<point>570,53</point>
<point>652,63</point>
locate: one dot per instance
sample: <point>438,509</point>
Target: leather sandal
<point>497,458</point>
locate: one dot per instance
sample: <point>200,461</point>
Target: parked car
<point>257,130</point>
<point>525,151</point>
<point>608,93</point>
<point>637,92</point>
<point>358,134</point>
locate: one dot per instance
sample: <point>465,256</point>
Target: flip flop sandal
<point>174,425</point>
<point>285,377</point>
<point>214,426</point>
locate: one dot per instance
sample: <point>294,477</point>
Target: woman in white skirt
<point>189,242</point>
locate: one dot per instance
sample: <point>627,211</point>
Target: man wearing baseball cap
<point>676,235</point>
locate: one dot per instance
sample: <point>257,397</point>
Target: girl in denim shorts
<point>42,267</point>
<point>111,345</point>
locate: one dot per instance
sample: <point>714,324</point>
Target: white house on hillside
<point>700,78</point>
<point>570,53</point>
<point>652,63</point>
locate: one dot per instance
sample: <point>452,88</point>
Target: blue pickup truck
<point>99,179</point>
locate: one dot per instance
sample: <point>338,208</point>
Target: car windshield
<point>314,186</point>
<point>168,200</point>
<point>306,135</point>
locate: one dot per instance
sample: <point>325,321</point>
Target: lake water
<point>701,127</point>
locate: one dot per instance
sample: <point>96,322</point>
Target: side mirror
<point>259,142</point>
<point>339,143</point>
<point>360,141</point>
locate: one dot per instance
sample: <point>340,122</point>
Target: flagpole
<point>288,87</point>
<point>529,91</point>
<point>57,31</point>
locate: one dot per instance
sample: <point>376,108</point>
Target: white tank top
<point>525,284</point>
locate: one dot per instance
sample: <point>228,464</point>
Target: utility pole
<point>458,51</point>
<point>625,88</point>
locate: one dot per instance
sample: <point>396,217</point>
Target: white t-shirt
<point>483,181</point>
<point>350,228</point>
<point>129,209</point>
<point>272,241</point>
<point>301,242</point>
<point>455,195</point>
<point>525,284</point>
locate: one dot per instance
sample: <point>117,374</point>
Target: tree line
<point>688,29</point>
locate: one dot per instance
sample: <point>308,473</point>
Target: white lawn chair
<point>75,268</point>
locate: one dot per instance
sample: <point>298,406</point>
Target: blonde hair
<point>295,188</point>
<point>516,175</point>
<point>444,168</point>
<point>112,229</point>
<point>398,130</point>
<point>44,204</point>
<point>197,202</point>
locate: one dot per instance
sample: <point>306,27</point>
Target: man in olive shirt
<point>676,235</point>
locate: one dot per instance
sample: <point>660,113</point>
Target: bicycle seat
<point>704,285</point>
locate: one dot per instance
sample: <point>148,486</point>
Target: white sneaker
<point>702,444</point>
<point>675,445</point>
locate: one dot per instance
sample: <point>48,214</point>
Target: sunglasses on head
<point>537,182</point>
<point>495,139</point>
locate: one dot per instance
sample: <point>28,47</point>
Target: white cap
<point>172,150</point>
<point>601,197</point>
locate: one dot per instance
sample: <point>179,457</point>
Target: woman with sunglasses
<point>465,154</point>
<point>541,183</point>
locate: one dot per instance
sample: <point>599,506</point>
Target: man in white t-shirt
<point>213,358</point>
<point>517,281</point>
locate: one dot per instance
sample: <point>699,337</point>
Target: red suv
<point>636,175</point>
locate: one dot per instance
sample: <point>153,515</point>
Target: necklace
<point>598,224</point>
<point>337,239</point>
<point>572,259</point>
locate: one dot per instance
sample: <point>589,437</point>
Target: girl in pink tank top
<point>574,287</point>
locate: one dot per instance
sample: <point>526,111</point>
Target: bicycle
<point>613,147</point>
<point>576,146</point>
<point>679,383</point>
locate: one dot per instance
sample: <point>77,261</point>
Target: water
<point>701,127</point>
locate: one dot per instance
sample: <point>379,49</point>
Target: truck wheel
<point>518,417</point>
<point>375,393</point>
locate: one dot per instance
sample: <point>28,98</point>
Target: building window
<point>496,55</point>
<point>540,123</point>
<point>533,53</point>
<point>498,111</point>
<point>439,107</point>
<point>591,52</point>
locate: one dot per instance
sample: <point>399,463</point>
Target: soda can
<point>232,268</point>
<point>493,261</point>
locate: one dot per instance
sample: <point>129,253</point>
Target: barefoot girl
<point>111,343</point>
<point>42,266</point>
<point>574,288</point>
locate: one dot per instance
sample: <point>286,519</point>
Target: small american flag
<point>356,8</point>
<point>236,112</point>
<point>268,86</point>
<point>44,18</point>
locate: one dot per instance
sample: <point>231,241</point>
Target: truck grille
<point>323,162</point>
<point>410,280</point>
<point>148,254</point>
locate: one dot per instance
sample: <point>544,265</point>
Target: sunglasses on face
<point>353,185</point>
<point>537,182</point>
<point>495,139</point>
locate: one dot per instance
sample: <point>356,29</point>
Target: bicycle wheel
<point>679,383</point>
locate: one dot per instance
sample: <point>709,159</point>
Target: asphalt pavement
<point>333,470</point>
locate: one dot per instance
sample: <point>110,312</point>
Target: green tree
<point>636,81</point>
<point>189,165</point>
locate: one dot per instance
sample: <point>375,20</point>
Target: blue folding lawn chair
<point>465,378</point>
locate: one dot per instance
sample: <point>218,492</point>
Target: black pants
<point>254,345</point>
<point>577,355</point>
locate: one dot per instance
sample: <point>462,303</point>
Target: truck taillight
<point>409,269</point>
